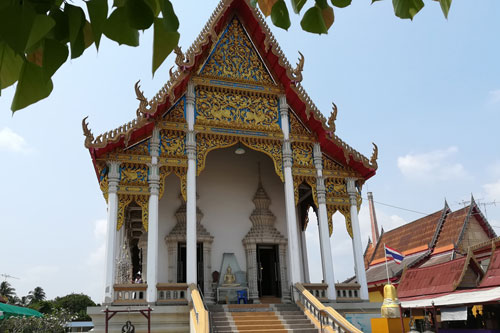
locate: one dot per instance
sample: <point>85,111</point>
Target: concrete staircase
<point>260,318</point>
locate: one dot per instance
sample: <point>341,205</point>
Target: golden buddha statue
<point>390,308</point>
<point>229,278</point>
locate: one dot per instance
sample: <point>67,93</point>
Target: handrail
<point>210,320</point>
<point>198,314</point>
<point>326,316</point>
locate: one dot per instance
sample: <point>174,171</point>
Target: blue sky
<point>427,92</point>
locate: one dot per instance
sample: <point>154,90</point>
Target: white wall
<point>225,188</point>
<point>168,205</point>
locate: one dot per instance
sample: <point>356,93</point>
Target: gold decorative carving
<point>373,159</point>
<point>182,174</point>
<point>234,57</point>
<point>172,143</point>
<point>236,110</point>
<point>335,187</point>
<point>176,113</point>
<point>103,180</point>
<point>271,148</point>
<point>332,118</point>
<point>206,143</point>
<point>311,181</point>
<point>123,201</point>
<point>344,210</point>
<point>143,109</point>
<point>181,60</point>
<point>348,223</point>
<point>296,126</point>
<point>139,149</point>
<point>297,71</point>
<point>134,174</point>
<point>302,155</point>
<point>143,202</point>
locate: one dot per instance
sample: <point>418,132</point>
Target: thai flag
<point>397,256</point>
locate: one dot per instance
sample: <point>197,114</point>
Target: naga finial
<point>332,118</point>
<point>373,159</point>
<point>89,137</point>
<point>143,102</point>
<point>297,71</point>
<point>182,60</point>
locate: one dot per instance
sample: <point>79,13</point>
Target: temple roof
<point>189,64</point>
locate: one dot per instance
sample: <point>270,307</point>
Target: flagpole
<point>386,268</point>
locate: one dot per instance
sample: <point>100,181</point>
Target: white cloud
<point>13,142</point>
<point>492,191</point>
<point>494,96</point>
<point>434,165</point>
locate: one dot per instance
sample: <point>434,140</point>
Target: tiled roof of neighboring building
<point>492,276</point>
<point>451,228</point>
<point>435,279</point>
<point>409,238</point>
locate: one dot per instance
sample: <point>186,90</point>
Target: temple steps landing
<point>258,318</point>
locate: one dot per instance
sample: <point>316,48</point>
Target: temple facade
<point>217,173</point>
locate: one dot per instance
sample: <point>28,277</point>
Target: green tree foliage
<point>76,304</point>
<point>7,291</point>
<point>37,36</point>
<point>36,295</point>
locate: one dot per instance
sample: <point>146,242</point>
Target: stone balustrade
<point>348,292</point>
<point>172,293</point>
<point>318,290</point>
<point>130,293</point>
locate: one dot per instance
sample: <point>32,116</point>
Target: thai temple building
<point>208,189</point>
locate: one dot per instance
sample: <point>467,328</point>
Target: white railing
<point>130,293</point>
<point>172,293</point>
<point>327,318</point>
<point>318,290</point>
<point>347,292</point>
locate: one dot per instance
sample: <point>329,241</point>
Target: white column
<point>359,263</point>
<point>305,261</point>
<point>291,217</point>
<point>154,192</point>
<point>324,231</point>
<point>111,251</point>
<point>191,275</point>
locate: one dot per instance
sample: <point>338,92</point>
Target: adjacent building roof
<point>440,278</point>
<point>429,241</point>
<point>492,276</point>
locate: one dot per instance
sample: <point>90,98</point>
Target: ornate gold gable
<point>235,58</point>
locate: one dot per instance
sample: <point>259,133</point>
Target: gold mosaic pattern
<point>182,174</point>
<point>229,109</point>
<point>172,143</point>
<point>103,181</point>
<point>235,58</point>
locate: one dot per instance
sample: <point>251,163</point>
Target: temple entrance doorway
<point>269,281</point>
<point>181,263</point>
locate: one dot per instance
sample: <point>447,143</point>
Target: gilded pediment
<point>235,58</point>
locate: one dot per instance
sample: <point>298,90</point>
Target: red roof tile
<point>452,227</point>
<point>410,238</point>
<point>492,276</point>
<point>435,279</point>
